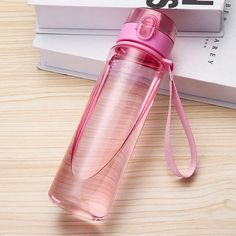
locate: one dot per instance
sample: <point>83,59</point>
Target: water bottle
<point>88,178</point>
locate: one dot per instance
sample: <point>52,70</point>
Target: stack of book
<point>75,36</point>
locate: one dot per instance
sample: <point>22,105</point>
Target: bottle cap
<point>150,28</point>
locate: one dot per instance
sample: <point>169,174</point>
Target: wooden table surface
<point>39,112</point>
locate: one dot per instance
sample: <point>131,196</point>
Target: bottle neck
<point>158,56</point>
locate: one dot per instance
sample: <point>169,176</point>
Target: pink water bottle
<point>94,163</point>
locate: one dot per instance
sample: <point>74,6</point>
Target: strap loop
<point>174,97</point>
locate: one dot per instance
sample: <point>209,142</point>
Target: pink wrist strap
<point>174,97</point>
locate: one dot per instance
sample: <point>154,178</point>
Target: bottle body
<point>94,163</point>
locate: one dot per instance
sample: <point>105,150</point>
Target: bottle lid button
<point>147,26</point>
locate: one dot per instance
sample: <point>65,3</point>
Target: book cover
<point>104,17</point>
<point>204,68</point>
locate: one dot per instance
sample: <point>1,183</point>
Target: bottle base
<point>76,211</point>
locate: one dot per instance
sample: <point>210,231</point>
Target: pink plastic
<point>159,43</point>
<point>150,28</point>
<point>165,24</point>
<point>88,178</point>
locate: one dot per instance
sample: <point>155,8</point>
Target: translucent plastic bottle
<point>88,178</point>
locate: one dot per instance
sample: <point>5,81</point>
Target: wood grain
<point>39,112</point>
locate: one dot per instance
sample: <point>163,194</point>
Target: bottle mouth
<point>162,22</point>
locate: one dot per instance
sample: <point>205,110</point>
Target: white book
<point>205,69</point>
<point>105,17</point>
